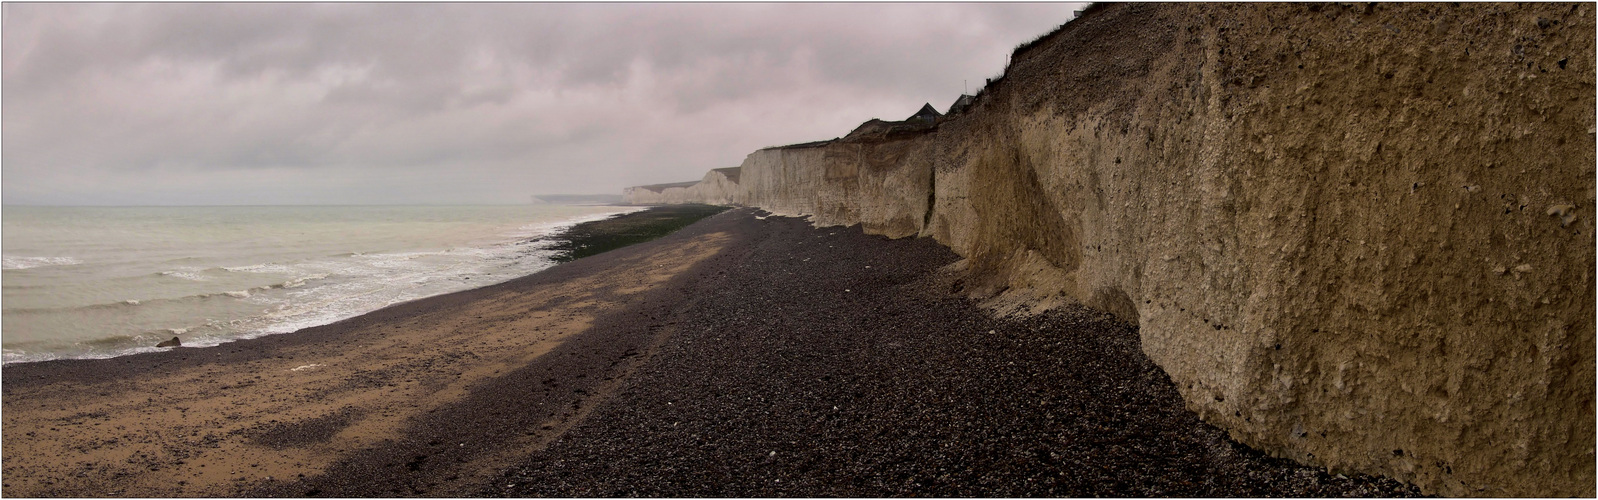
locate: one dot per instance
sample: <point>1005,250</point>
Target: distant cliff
<point>717,188</point>
<point>1354,235</point>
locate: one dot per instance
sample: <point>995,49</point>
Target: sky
<point>429,103</point>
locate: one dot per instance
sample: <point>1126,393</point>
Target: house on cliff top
<point>962,103</point>
<point>927,114</point>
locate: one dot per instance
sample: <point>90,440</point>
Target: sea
<point>100,282</point>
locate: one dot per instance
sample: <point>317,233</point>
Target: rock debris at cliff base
<point>822,362</point>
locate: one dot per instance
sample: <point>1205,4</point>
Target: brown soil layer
<point>739,357</point>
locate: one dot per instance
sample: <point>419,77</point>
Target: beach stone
<point>171,343</point>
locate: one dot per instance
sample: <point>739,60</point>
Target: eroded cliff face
<point>1357,236</point>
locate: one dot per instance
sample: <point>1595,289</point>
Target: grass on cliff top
<point>596,237</point>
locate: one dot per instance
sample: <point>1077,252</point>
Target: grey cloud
<point>472,102</point>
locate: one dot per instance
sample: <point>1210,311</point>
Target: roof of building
<point>961,103</point>
<point>927,113</point>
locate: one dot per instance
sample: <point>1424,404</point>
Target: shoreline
<point>715,361</point>
<point>559,234</point>
<point>201,421</point>
<point>599,236</point>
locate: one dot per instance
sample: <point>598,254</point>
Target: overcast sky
<point>182,104</point>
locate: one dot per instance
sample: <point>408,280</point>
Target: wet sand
<point>742,356</point>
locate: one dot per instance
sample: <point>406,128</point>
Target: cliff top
<point>802,145</point>
<point>662,187</point>
<point>731,173</point>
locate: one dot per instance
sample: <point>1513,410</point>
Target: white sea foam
<point>32,262</point>
<point>9,356</point>
<point>259,268</point>
<point>300,281</point>
<point>238,294</point>
<point>394,260</point>
<point>188,274</point>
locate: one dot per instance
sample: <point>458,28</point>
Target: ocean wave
<point>132,303</point>
<point>111,340</point>
<point>9,356</point>
<point>32,262</point>
<point>191,275</point>
<point>259,268</point>
<point>15,311</point>
<point>300,281</point>
<point>394,261</point>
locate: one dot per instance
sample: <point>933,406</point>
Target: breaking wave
<point>32,262</point>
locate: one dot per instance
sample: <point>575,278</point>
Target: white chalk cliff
<point>1359,236</point>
